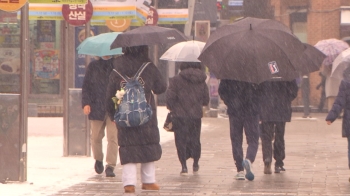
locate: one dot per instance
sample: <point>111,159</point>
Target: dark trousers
<point>187,139</point>
<point>251,129</point>
<point>305,93</point>
<point>270,130</point>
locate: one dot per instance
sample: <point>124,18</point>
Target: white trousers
<point>148,173</point>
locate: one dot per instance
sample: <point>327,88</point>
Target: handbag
<point>168,124</point>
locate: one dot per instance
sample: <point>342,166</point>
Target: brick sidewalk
<point>316,164</point>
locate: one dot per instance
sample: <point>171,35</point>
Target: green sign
<point>59,1</point>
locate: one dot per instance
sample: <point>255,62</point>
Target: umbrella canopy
<point>99,45</point>
<point>184,52</point>
<point>148,35</point>
<point>331,48</point>
<point>253,50</point>
<point>312,59</point>
<point>340,64</point>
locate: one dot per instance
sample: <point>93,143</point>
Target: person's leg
<point>97,134</point>
<point>148,173</point>
<point>305,87</point>
<point>112,146</point>
<point>267,133</point>
<point>279,145</point>
<point>181,136</point>
<point>251,129</point>
<point>236,135</point>
<point>195,143</point>
<point>148,176</point>
<point>129,176</point>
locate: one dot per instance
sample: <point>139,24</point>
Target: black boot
<point>184,171</point>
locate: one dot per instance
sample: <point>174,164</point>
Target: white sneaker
<point>240,176</point>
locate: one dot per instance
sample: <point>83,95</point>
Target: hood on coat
<point>193,75</point>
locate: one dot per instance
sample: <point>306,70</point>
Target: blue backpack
<point>134,110</point>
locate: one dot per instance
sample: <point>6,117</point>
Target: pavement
<point>316,164</point>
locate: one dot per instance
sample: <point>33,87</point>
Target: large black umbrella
<point>311,59</point>
<point>148,35</point>
<point>253,50</point>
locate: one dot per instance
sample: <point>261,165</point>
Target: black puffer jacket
<point>241,98</point>
<point>187,93</point>
<point>95,86</point>
<point>137,144</point>
<point>275,98</point>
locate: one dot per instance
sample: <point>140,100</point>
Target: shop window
<point>45,62</point>
<point>298,22</point>
<point>10,62</point>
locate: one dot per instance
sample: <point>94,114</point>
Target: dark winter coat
<point>341,102</point>
<point>95,86</point>
<point>187,94</point>
<point>137,144</point>
<point>240,97</point>
<point>275,98</point>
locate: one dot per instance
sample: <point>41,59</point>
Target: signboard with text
<point>59,1</point>
<point>11,5</point>
<point>77,14</point>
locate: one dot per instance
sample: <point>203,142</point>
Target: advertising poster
<point>80,62</point>
<point>202,30</point>
<point>10,61</point>
<point>46,31</point>
<point>10,65</point>
<point>46,64</point>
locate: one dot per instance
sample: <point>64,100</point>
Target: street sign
<point>11,5</point>
<point>118,25</point>
<point>152,17</point>
<point>77,14</point>
<point>235,3</point>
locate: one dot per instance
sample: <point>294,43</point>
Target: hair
<point>136,50</point>
<point>194,65</point>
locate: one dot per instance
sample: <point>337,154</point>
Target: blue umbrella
<point>99,45</point>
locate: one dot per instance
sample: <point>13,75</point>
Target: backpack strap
<point>139,72</point>
<point>126,79</point>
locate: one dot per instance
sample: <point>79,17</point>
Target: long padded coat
<point>137,144</point>
<point>95,86</point>
<point>275,98</point>
<point>187,94</point>
<point>342,101</point>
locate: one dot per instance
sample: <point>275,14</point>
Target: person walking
<point>241,100</point>
<point>137,144</point>
<point>305,93</point>
<point>185,97</point>
<point>93,104</point>
<point>275,98</point>
<point>342,102</point>
<point>322,85</point>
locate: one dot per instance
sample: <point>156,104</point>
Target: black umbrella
<point>148,35</point>
<point>253,50</point>
<point>311,59</point>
